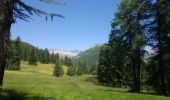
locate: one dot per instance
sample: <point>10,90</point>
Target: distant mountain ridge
<point>63,53</point>
<point>90,56</point>
<point>71,53</point>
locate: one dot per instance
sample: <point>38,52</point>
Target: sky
<point>86,22</point>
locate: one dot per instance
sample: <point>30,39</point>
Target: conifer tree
<point>52,58</point>
<point>58,69</point>
<point>71,71</point>
<point>126,45</point>
<point>79,70</point>
<point>45,56</point>
<point>160,43</point>
<point>10,11</point>
<point>67,61</point>
<point>84,68</point>
<point>33,57</point>
<point>103,70</point>
<point>131,23</point>
<point>93,69</point>
<point>118,60</point>
<point>18,51</point>
<point>14,55</point>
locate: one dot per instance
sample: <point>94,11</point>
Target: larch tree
<point>10,11</point>
<point>161,45</point>
<point>127,42</point>
<point>131,20</point>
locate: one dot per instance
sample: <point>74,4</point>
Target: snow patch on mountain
<point>72,53</point>
<point>63,53</point>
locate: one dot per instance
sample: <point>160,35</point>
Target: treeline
<point>81,68</point>
<point>78,69</point>
<point>139,27</point>
<point>21,51</point>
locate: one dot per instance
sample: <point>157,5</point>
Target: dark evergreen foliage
<point>93,69</point>
<point>104,69</point>
<point>79,71</point>
<point>67,61</point>
<point>58,69</point>
<point>21,51</point>
<point>54,58</point>
<point>82,68</point>
<point>33,57</point>
<point>122,62</point>
<point>45,57</point>
<point>71,71</point>
<point>160,43</point>
<point>14,57</point>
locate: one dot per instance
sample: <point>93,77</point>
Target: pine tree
<point>103,71</point>
<point>11,56</point>
<point>33,57</point>
<point>117,60</point>
<point>84,68</point>
<point>67,61</point>
<point>71,71</point>
<point>18,51</point>
<point>79,69</point>
<point>58,69</point>
<point>52,58</point>
<point>93,69</point>
<point>14,55</point>
<point>130,19</point>
<point>160,44</point>
<point>57,57</point>
<point>125,49</point>
<point>45,58</point>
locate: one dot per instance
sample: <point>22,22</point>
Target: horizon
<point>80,29</point>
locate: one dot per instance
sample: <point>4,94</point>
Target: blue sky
<point>87,22</point>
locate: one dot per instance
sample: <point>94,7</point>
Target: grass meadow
<point>38,83</point>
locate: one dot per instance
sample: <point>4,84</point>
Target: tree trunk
<point>6,19</point>
<point>137,51</point>
<point>161,68</point>
<point>138,70</point>
<point>134,84</point>
<point>160,32</point>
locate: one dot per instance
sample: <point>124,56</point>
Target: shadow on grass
<point>144,93</point>
<point>14,95</point>
<point>114,90</point>
<point>93,79</point>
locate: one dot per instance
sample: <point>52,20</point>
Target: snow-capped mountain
<point>72,53</point>
<point>63,53</point>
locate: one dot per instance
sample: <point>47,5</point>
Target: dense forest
<point>22,51</point>
<point>139,28</point>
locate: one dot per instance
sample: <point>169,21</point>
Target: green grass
<point>38,83</point>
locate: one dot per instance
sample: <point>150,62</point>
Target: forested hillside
<point>22,51</point>
<point>90,56</point>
